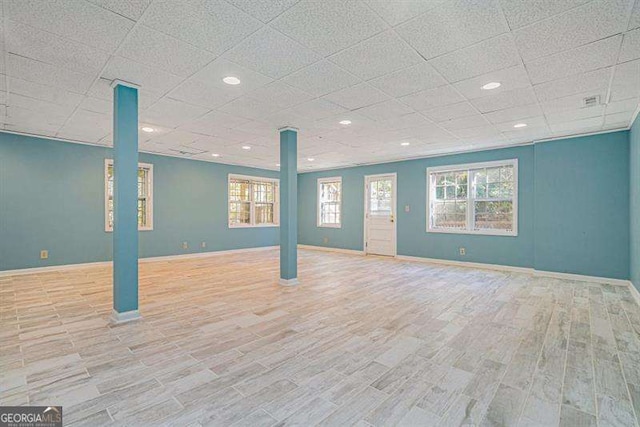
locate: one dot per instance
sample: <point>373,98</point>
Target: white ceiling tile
<point>321,78</point>
<point>464,123</point>
<point>630,46</point>
<point>519,136</point>
<point>48,75</point>
<point>507,99</point>
<point>58,113</point>
<point>213,121</point>
<point>523,12</point>
<point>595,81</point>
<point>397,12</point>
<point>147,77</point>
<point>515,113</point>
<point>490,55</point>
<point>407,121</point>
<point>410,80</point>
<point>453,25</point>
<point>531,122</point>
<point>289,117</point>
<point>175,137</point>
<point>46,93</point>
<point>198,92</point>
<point>487,131</point>
<point>234,135</point>
<point>248,108</point>
<point>431,98</point>
<point>571,102</point>
<point>27,41</point>
<point>509,79</point>
<point>379,55</point>
<point>357,96</point>
<point>584,24</point>
<point>78,20</point>
<point>634,21</point>
<point>555,116</point>
<point>214,72</point>
<point>212,25</point>
<point>280,94</point>
<point>627,105</point>
<point>169,54</point>
<point>131,9</point>
<point>263,10</point>
<point>385,110</point>
<point>449,112</point>
<point>584,125</point>
<point>171,113</point>
<point>271,53</point>
<point>97,105</point>
<point>618,119</point>
<point>627,74</point>
<point>327,27</point>
<point>599,54</point>
<point>318,109</point>
<point>102,89</point>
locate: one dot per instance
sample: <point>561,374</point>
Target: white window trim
<point>319,202</point>
<point>149,167</point>
<point>470,206</point>
<point>276,212</point>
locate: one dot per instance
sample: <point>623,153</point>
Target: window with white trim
<point>145,196</point>
<point>253,201</point>
<point>477,198</point>
<point>330,202</point>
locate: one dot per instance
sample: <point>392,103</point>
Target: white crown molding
<point>293,128</point>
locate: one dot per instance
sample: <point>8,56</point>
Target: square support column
<point>125,202</point>
<point>288,206</point>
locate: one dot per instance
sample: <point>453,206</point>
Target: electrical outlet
<point>185,245</point>
<point>463,251</point>
<point>325,240</point>
<point>44,254</point>
<point>407,208</point>
<point>203,245</point>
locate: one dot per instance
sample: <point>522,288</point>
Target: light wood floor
<point>363,341</point>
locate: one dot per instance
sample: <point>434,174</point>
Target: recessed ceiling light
<point>311,159</point>
<point>404,144</point>
<point>491,85</point>
<point>246,147</point>
<point>345,122</point>
<point>215,155</point>
<point>147,129</point>
<point>520,125</point>
<point>230,80</point>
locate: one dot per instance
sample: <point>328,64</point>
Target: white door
<point>380,215</point>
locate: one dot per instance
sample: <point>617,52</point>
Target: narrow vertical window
<point>253,201</point>
<point>330,202</point>
<point>145,196</point>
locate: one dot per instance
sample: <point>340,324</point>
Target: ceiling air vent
<point>591,101</point>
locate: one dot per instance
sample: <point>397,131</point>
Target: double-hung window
<point>329,202</point>
<point>145,196</point>
<point>477,198</point>
<point>253,201</point>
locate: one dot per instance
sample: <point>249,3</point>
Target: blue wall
<point>634,141</point>
<point>52,197</point>
<point>561,227</point>
<point>582,205</point>
<point>413,240</point>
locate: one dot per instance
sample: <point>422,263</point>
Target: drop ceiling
<point>404,71</point>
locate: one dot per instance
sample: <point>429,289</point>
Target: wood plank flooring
<point>363,341</point>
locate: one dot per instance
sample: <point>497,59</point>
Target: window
<point>253,201</point>
<point>145,196</point>
<point>329,202</point>
<point>478,198</point>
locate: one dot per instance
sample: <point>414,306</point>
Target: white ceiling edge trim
<point>404,159</point>
<point>95,144</point>
<point>118,82</point>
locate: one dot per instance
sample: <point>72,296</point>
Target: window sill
<point>476,233</point>
<point>139,229</point>
<point>253,226</point>
<point>329,225</point>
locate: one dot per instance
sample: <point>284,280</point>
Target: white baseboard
<point>328,249</point>
<point>634,292</point>
<point>582,278</point>
<point>53,268</point>
<point>289,282</point>
<point>467,264</point>
<point>125,317</point>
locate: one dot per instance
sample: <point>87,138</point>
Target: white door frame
<point>394,213</point>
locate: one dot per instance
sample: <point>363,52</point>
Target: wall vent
<point>591,101</point>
